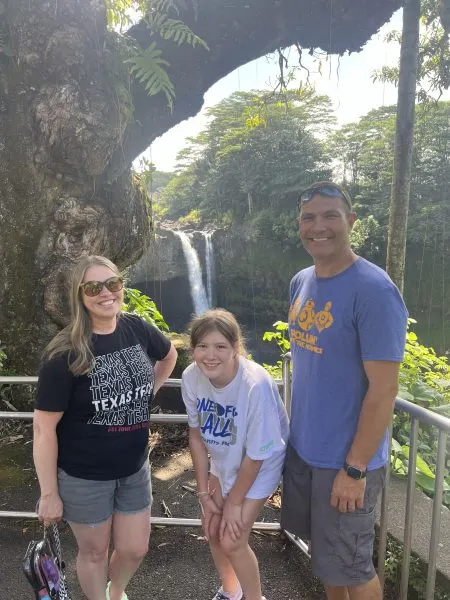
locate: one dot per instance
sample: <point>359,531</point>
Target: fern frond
<point>176,30</point>
<point>148,69</point>
<point>164,6</point>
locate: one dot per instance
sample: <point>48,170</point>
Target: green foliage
<point>364,155</point>
<point>176,30</point>
<point>257,151</point>
<point>279,336</point>
<point>148,69</point>
<point>160,179</point>
<point>148,65</point>
<point>158,211</point>
<point>364,236</point>
<point>424,380</point>
<point>2,361</point>
<point>139,304</point>
<point>433,75</point>
<point>4,369</point>
<point>192,218</point>
<point>119,12</point>
<point>417,572</point>
<point>424,376</point>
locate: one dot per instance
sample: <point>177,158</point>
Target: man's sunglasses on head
<point>93,288</point>
<point>326,189</point>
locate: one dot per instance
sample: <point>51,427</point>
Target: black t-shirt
<point>103,433</point>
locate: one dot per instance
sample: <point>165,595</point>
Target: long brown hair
<point>221,320</point>
<point>76,338</point>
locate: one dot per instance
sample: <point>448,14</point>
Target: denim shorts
<point>341,543</point>
<point>91,502</point>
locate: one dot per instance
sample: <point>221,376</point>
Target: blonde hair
<point>76,338</point>
<point>221,320</point>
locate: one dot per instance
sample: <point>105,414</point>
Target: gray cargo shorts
<point>92,502</point>
<point>341,543</point>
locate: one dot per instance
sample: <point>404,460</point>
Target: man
<point>347,324</point>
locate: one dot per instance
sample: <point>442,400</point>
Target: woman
<point>235,414</point>
<point>91,423</point>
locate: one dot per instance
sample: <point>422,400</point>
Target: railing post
<point>436,521</point>
<point>286,374</point>
<point>382,542</point>
<point>407,537</point>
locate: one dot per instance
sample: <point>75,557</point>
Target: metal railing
<point>418,416</point>
<point>154,418</point>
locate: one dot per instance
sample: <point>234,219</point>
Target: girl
<point>235,414</point>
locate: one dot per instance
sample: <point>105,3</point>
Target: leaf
<point>147,68</point>
<point>396,446</point>
<point>425,482</point>
<point>444,409</point>
<point>176,30</point>
<point>268,336</point>
<point>421,465</point>
<point>404,394</point>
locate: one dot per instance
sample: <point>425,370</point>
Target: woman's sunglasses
<point>93,288</point>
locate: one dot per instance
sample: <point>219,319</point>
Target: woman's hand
<point>209,509</point>
<point>231,520</point>
<point>50,508</point>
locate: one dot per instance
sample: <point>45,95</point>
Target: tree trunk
<point>404,139</point>
<point>72,121</point>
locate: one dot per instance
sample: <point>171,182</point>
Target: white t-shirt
<point>246,417</point>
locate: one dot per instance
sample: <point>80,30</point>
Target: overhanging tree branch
<point>237,32</point>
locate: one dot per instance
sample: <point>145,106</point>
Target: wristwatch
<point>354,472</point>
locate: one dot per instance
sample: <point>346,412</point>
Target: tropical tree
<point>257,151</point>
<point>73,118</point>
<point>424,70</point>
<point>365,150</point>
<point>401,179</point>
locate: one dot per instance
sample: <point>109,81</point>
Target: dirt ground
<point>178,565</point>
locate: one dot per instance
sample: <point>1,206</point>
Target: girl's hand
<point>50,508</point>
<point>208,508</point>
<point>231,521</point>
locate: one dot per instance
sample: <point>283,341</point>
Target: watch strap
<point>354,472</point>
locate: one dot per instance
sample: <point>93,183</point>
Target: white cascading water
<point>198,294</point>
<point>210,268</point>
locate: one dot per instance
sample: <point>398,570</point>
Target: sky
<point>346,80</point>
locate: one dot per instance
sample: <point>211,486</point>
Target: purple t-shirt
<point>336,323</point>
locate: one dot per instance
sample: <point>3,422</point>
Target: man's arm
<point>375,416</point>
<point>376,411</point>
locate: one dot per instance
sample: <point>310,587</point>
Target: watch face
<point>354,473</point>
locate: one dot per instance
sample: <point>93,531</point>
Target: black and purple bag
<point>44,567</point>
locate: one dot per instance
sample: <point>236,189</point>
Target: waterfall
<point>198,294</point>
<point>210,268</point>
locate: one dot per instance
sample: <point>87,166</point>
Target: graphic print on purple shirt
<point>217,421</point>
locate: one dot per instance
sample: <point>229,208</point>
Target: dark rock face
<point>161,273</point>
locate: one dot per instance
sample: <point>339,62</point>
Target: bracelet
<point>199,494</point>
